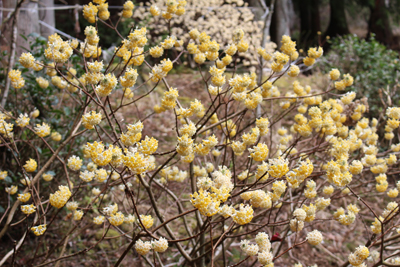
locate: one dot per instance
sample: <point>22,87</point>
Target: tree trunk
<point>379,23</point>
<point>280,24</point>
<point>28,22</point>
<point>47,16</point>
<point>309,22</point>
<point>338,23</point>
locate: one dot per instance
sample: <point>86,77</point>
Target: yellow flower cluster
<point>58,50</point>
<point>78,215</point>
<point>173,7</point>
<point>48,177</point>
<point>147,221</point>
<point>42,82</point>
<point>27,60</point>
<point>90,119</point>
<point>278,188</point>
<point>131,50</point>
<point>258,199</point>
<point>60,197</point>
<point>107,84</point>
<point>72,205</point>
<point>99,155</point>
<point>30,165</point>
<point>310,212</point>
<point>137,163</point>
<point>39,230</point>
<point>357,258</point>
<point>74,163</point>
<point>278,167</point>
<point>346,82</point>
<point>16,80</point>
<point>244,215</point>
<point>142,248</point>
<point>98,219</point>
<point>322,203</point>
<point>128,80</point>
<point>3,175</point>
<point>127,11</point>
<point>6,128</point>
<point>28,209</point>
<point>23,120</point>
<point>42,130</point>
<point>312,55</point>
<point>311,191</point>
<point>208,202</point>
<point>297,175</point>
<point>160,245</point>
<point>248,249</point>
<point>116,219</point>
<point>314,238</point>
<point>12,190</point>
<point>24,197</point>
<point>297,223</point>
<point>346,219</point>
<point>173,174</point>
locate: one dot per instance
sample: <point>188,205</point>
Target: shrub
<point>142,171</point>
<point>373,65</point>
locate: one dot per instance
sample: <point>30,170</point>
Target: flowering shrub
<point>373,66</point>
<point>253,170</point>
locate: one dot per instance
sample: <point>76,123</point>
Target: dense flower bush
<point>375,69</point>
<point>244,173</point>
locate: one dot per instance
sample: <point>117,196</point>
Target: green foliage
<point>372,65</point>
<point>54,104</point>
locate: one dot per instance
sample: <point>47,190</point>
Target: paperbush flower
<point>60,197</point>
<point>30,165</point>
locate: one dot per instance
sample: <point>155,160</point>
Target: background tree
<point>338,22</point>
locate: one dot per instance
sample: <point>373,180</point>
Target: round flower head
<point>3,175</point>
<point>23,120</point>
<point>265,257</point>
<point>28,209</point>
<point>99,219</point>
<point>60,197</point>
<point>146,220</point>
<point>48,177</point>
<point>244,215</point>
<point>334,74</point>
<point>293,71</point>
<point>12,190</point>
<point>160,245</point>
<point>315,237</point>
<point>42,130</point>
<point>72,205</point>
<point>78,215</point>
<point>300,214</point>
<point>90,119</point>
<point>142,248</point>
<point>30,165</point>
<point>39,230</point>
<point>27,60</point>
<point>74,163</point>
<point>116,219</point>
<point>249,249</point>
<point>24,197</point>
<point>259,152</point>
<point>362,252</point>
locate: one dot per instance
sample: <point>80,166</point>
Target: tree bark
<point>338,23</point>
<point>379,23</point>
<point>47,16</point>
<point>280,24</point>
<point>310,23</point>
<point>28,23</point>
